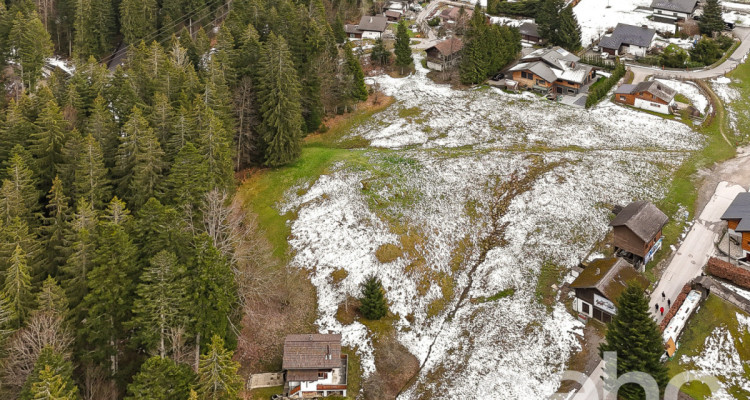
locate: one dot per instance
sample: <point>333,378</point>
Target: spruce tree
<point>636,339</point>
<point>91,180</point>
<point>214,145</point>
<point>52,386</point>
<point>188,180</point>
<point>82,237</point>
<point>548,19</point>
<point>373,304</point>
<point>712,20</point>
<point>59,365</point>
<point>17,288</point>
<point>569,33</point>
<point>137,19</point>
<point>94,27</point>
<point>51,299</point>
<point>160,307</point>
<point>402,48</point>
<point>140,160</point>
<point>279,98</point>
<point>15,128</point>
<point>32,45</point>
<point>380,55</point>
<point>18,195</point>
<point>48,142</point>
<point>101,125</point>
<point>338,30</point>
<point>217,373</point>
<point>358,87</point>
<point>55,229</point>
<point>161,379</point>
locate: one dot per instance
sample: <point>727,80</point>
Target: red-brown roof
<point>312,351</point>
<point>449,46</point>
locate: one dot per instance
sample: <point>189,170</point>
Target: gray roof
<point>538,68</point>
<point>349,28</point>
<point>554,63</point>
<point>374,23</point>
<point>312,351</point>
<point>625,34</point>
<point>529,29</point>
<point>685,6</point>
<point>739,209</point>
<point>656,88</point>
<point>642,218</point>
<point>625,88</point>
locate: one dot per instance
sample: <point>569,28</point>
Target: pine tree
<point>338,30</point>
<point>569,33</point>
<point>188,181</point>
<point>55,229</point>
<point>91,180</point>
<point>108,302</point>
<point>18,195</point>
<point>17,288</point>
<point>31,46</point>
<point>380,55</point>
<point>52,386</point>
<point>637,340</point>
<point>712,20</point>
<point>373,303</point>
<point>83,244</point>
<point>48,142</point>
<point>161,379</point>
<point>160,306</point>
<point>51,299</point>
<point>279,97</point>
<point>402,48</point>
<point>59,365</point>
<point>217,373</point>
<point>358,87</point>
<point>137,19</point>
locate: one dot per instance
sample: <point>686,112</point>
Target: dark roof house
<point>610,276</point>
<point>655,88</point>
<point>682,6</point>
<point>312,351</point>
<point>373,23</point>
<point>739,210</point>
<point>642,218</point>
<point>530,32</point>
<point>628,35</point>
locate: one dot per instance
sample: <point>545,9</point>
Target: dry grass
<point>388,253</point>
<point>339,275</point>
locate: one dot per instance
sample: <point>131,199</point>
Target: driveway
<point>686,264</point>
<point>743,33</point>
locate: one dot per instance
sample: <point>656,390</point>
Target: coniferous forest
<point>125,266</point>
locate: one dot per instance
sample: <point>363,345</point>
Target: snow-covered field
<point>449,173</point>
<point>689,90</point>
<point>720,358</point>
<point>596,16</point>
<point>735,104</point>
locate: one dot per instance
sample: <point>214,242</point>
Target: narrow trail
<point>718,105</point>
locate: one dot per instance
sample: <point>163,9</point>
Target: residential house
<point>530,33</point>
<point>314,366</point>
<point>738,221</point>
<point>628,39</point>
<point>673,10</point>
<point>637,232</point>
<point>599,286</point>
<point>554,70</point>
<point>392,15</point>
<point>651,95</point>
<point>445,54</point>
<point>453,15</point>
<point>369,27</point>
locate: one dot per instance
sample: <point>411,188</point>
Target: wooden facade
<point>745,236</point>
<point>599,286</point>
<point>529,79</point>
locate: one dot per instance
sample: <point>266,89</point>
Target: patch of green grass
<point>713,313</point>
<point>681,98</point>
<point>497,296</point>
<point>388,253</point>
<point>354,371</point>
<point>266,393</point>
<point>409,112</point>
<point>598,82</point>
<point>550,274</point>
<point>741,82</point>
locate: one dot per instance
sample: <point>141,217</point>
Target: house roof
<point>657,89</point>
<point>529,29</point>
<point>392,13</point>
<point>302,375</point>
<point>625,88</point>
<point>610,276</point>
<point>449,46</point>
<point>642,218</point>
<point>628,35</point>
<point>554,63</point>
<point>312,351</point>
<point>685,6</point>
<point>453,13</point>
<point>374,23</point>
<point>739,209</point>
<point>349,28</point>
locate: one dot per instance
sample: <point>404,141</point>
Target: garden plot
<point>459,202</point>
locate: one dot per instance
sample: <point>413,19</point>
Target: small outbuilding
<point>651,95</point>
<point>628,39</point>
<point>392,15</point>
<point>530,33</point>
<point>369,27</point>
<point>673,11</point>
<point>599,286</point>
<point>637,232</point>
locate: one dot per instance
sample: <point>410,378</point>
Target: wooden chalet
<point>444,55</point>
<point>652,95</point>
<point>637,232</point>
<point>392,15</point>
<point>530,33</point>
<point>737,216</point>
<point>314,366</point>
<point>599,286</point>
<point>553,70</point>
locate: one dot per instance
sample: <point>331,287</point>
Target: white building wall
<point>370,35</point>
<point>434,66</point>
<point>647,105</point>
<point>578,307</point>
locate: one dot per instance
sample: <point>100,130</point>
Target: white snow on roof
<point>689,90</point>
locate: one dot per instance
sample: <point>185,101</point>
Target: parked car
<point>728,25</point>
<point>595,49</point>
<point>604,55</point>
<point>498,77</point>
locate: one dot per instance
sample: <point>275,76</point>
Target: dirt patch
<point>395,366</point>
<point>735,170</point>
<point>588,358</point>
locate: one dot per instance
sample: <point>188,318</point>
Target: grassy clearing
<point>497,296</point>
<point>550,274</point>
<point>679,97</point>
<point>266,393</point>
<point>741,82</point>
<point>714,313</point>
<point>354,377</point>
<point>388,253</point>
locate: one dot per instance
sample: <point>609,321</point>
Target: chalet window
<point>523,75</point>
<point>622,98</point>
<point>321,375</point>
<point>541,82</point>
<point>585,308</point>
<point>675,14</point>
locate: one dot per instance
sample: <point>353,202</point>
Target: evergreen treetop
<point>373,304</point>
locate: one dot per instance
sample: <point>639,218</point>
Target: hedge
<point>598,92</point>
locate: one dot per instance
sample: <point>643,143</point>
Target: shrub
<point>434,22</point>
<point>724,42</point>
<point>706,52</point>
<point>597,92</point>
<point>674,57</point>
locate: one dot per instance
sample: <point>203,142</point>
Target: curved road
<point>743,33</point>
